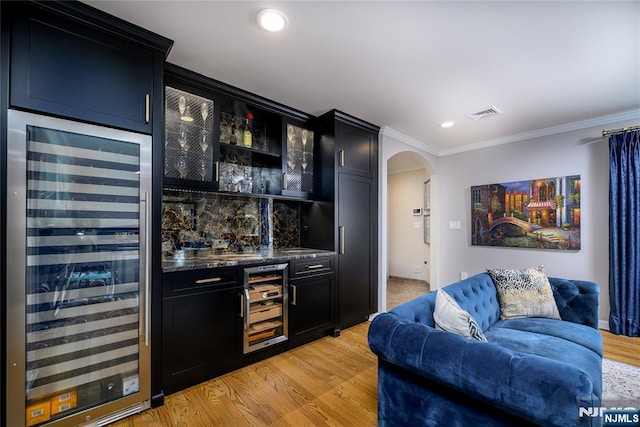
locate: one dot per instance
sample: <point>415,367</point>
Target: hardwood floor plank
<point>621,348</point>
<point>330,382</point>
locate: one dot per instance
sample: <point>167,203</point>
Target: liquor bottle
<point>247,138</point>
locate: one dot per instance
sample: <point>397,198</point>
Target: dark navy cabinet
<point>350,177</point>
<point>311,296</point>
<point>201,326</point>
<point>68,60</point>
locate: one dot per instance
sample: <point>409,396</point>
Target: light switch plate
<point>454,225</point>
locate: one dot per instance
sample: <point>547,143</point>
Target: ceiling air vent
<point>489,111</point>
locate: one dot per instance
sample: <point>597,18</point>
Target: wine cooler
<point>77,283</point>
<point>265,306</point>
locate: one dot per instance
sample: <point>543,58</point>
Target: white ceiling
<point>408,66</point>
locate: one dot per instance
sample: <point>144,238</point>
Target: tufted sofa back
<point>577,301</point>
<point>476,294</point>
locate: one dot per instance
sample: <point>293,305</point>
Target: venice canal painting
<point>540,213</point>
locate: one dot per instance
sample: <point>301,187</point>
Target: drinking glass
<point>182,138</point>
<point>181,166</point>
<point>203,169</point>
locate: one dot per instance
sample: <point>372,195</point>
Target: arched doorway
<point>408,151</point>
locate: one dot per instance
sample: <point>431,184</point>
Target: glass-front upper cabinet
<point>189,137</point>
<point>250,150</point>
<point>298,164</point>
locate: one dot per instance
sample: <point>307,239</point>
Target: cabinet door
<point>356,150</point>
<point>356,248</point>
<point>201,333</point>
<point>310,303</point>
<point>62,67</point>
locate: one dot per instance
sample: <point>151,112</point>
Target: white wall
<point>407,249</point>
<point>580,152</point>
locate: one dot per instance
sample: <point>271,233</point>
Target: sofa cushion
<point>574,332</point>
<point>477,296</point>
<point>449,317</point>
<point>524,293</point>
<point>550,347</point>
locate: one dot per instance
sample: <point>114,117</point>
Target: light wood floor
<point>330,382</point>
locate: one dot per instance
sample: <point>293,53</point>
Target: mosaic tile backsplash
<point>192,219</point>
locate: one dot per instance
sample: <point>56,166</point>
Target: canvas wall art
<point>540,213</point>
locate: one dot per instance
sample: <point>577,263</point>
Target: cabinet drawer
<point>307,267</point>
<point>182,282</point>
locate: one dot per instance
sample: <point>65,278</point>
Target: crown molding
<point>392,133</point>
<point>554,130</point>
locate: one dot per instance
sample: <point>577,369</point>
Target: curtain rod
<point>612,131</point>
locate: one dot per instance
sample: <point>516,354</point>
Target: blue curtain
<point>624,233</point>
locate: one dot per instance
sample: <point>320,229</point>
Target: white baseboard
<point>603,324</point>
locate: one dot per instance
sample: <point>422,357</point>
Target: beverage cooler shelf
<point>262,311</point>
<point>266,306</point>
<point>264,330</point>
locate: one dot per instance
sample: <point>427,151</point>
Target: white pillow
<point>451,318</point>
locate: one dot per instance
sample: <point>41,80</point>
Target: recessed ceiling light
<point>446,124</point>
<point>272,20</point>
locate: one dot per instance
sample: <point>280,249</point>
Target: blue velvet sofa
<point>532,371</point>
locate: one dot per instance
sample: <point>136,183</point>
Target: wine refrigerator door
<point>78,209</point>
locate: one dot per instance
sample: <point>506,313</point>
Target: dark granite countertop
<point>211,260</point>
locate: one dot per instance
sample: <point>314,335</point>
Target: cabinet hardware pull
<point>210,280</point>
<point>341,238</point>
<point>246,299</point>
<point>294,290</point>
<point>241,305</point>
<point>217,165</point>
<point>146,108</point>
<point>314,266</point>
<point>147,269</point>
<point>341,158</point>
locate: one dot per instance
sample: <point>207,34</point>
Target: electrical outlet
<point>417,269</point>
<point>463,275</point>
<point>130,385</point>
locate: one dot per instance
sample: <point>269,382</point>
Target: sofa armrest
<point>577,300</point>
<point>541,390</point>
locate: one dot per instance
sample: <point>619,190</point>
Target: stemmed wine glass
<point>182,105</point>
<point>181,166</point>
<point>203,169</point>
<point>304,147</point>
<point>204,137</point>
<point>182,138</point>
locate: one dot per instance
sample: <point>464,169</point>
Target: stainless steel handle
<point>315,266</point>
<point>210,280</point>
<point>341,238</point>
<point>284,180</point>
<point>246,308</point>
<point>341,158</point>
<point>294,290</point>
<point>146,108</point>
<point>147,269</point>
<point>242,306</point>
<point>217,166</point>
